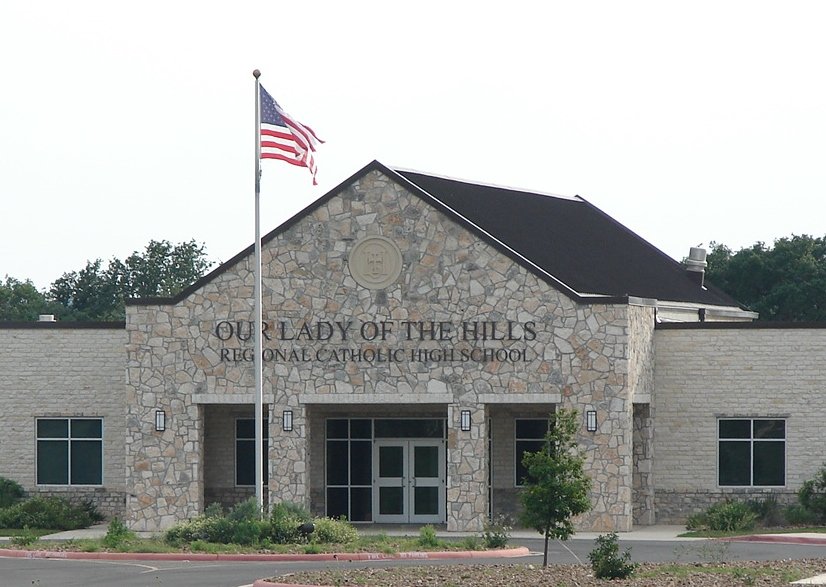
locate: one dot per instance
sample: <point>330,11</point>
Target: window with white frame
<point>751,452</point>
<point>530,437</point>
<point>69,451</point>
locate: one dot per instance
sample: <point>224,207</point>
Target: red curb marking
<point>778,538</point>
<point>259,557</point>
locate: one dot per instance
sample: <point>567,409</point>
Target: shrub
<point>10,492</point>
<point>427,536</point>
<point>497,532</point>
<point>248,532</point>
<point>606,560</point>
<point>48,513</point>
<point>798,515</point>
<point>289,509</point>
<point>697,521</point>
<point>330,531</point>
<point>214,510</point>
<point>768,511</point>
<point>117,534</point>
<point>213,529</point>
<point>245,511</point>
<point>724,516</point>
<point>284,530</point>
<point>812,495</point>
<point>285,520</point>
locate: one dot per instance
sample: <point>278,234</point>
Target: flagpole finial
<point>256,74</point>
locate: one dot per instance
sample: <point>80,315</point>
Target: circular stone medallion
<point>375,262</point>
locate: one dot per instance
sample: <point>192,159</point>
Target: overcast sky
<point>688,122</point>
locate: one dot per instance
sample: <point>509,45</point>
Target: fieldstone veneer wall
<point>579,356</point>
<point>51,370</point>
<point>713,371</point>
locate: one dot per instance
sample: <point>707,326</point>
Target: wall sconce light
<point>160,420</point>
<point>287,421</point>
<point>464,421</point>
<point>591,421</point>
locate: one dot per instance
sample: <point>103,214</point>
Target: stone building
<point>418,332</point>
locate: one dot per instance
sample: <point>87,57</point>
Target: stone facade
<point>714,371</point>
<point>560,351</point>
<point>47,370</point>
<point>457,326</point>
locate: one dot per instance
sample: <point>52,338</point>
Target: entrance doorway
<point>409,485</point>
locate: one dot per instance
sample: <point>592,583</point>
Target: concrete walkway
<point>660,533</point>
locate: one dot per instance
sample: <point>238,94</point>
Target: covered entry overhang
<point>379,462</point>
<point>424,459</point>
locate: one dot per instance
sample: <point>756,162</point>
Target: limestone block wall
<point>641,354</point>
<point>711,371</point>
<point>502,421</point>
<point>449,277</point>
<point>53,370</point>
<point>219,451</point>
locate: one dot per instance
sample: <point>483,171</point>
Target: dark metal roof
<point>567,242</point>
<point>571,240</point>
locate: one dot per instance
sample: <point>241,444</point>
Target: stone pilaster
<point>467,469</point>
<point>288,457</point>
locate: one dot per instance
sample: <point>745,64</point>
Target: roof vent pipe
<point>46,318</point>
<point>695,265</point>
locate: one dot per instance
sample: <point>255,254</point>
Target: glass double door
<point>409,483</point>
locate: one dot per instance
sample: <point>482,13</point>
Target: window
<point>245,452</point>
<point>752,453</point>
<point>530,437</point>
<point>69,451</point>
<point>349,468</point>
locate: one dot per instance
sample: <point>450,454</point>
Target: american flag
<point>284,138</point>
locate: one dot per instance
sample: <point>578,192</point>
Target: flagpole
<point>259,375</point>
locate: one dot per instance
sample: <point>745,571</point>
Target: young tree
<point>556,488</point>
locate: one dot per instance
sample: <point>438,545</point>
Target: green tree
<point>88,294</point>
<point>783,282</point>
<point>98,293</point>
<point>556,488</point>
<point>20,301</point>
<point>162,270</point>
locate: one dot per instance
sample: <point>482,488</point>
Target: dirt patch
<point>763,574</point>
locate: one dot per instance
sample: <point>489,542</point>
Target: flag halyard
<point>284,138</point>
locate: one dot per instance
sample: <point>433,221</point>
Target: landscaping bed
<point>764,574</point>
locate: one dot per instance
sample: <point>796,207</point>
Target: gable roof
<point>566,242</point>
<point>572,240</point>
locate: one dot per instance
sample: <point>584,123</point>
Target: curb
<point>328,557</point>
<point>778,539</point>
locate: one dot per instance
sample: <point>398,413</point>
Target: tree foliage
<point>783,282</point>
<point>20,301</point>
<point>98,291</point>
<point>556,488</point>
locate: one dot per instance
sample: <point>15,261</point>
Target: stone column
<point>287,456</point>
<point>467,469</point>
